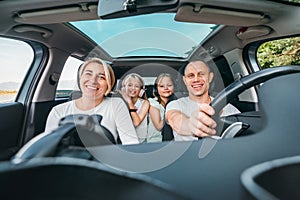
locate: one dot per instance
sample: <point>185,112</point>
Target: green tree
<point>279,53</point>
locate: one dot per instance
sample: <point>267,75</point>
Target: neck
<point>205,98</point>
<point>134,99</point>
<point>88,103</point>
<point>164,99</point>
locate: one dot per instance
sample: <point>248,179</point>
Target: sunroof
<point>145,35</point>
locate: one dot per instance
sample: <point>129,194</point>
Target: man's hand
<point>200,123</point>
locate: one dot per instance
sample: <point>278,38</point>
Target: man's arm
<point>177,119</point>
<point>199,124</point>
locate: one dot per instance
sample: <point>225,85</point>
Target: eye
<point>190,76</point>
<point>101,76</point>
<point>87,73</point>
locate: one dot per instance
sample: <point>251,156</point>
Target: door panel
<point>40,111</point>
<point>11,119</point>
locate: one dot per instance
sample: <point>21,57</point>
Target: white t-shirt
<point>141,130</point>
<point>153,134</point>
<point>187,106</point>
<point>115,117</point>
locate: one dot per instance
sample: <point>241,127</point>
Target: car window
<point>15,59</point>
<point>280,52</point>
<point>67,81</point>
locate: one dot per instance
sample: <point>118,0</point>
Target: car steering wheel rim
<point>234,89</point>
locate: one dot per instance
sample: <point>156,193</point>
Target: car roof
<point>46,20</point>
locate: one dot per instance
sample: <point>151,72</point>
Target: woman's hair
<point>109,73</point>
<point>156,82</point>
<point>140,79</point>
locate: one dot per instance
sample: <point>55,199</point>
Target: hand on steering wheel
<point>233,90</point>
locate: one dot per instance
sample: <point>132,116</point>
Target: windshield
<point>145,35</point>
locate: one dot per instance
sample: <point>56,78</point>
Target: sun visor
<point>58,15</point>
<point>214,15</point>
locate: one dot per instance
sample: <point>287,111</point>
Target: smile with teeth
<point>91,87</point>
<point>197,86</point>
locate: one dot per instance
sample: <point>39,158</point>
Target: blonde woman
<point>134,94</point>
<point>96,79</point>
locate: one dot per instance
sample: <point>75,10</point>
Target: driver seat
<point>279,102</point>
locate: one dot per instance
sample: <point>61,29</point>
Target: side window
<point>67,81</point>
<point>279,52</point>
<point>15,59</point>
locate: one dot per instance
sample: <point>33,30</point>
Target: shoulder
<point>178,104</point>
<point>63,106</point>
<point>114,101</point>
<point>154,102</point>
<point>181,100</point>
<point>144,101</point>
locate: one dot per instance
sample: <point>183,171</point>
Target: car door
<point>20,62</point>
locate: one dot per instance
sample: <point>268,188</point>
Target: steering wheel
<point>234,89</point>
<point>74,130</point>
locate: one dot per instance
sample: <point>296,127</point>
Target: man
<point>190,117</point>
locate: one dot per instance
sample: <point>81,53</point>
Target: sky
<point>15,55</point>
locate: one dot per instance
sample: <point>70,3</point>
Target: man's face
<point>197,77</point>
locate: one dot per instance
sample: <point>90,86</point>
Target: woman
<point>163,90</point>
<point>96,79</point>
<point>134,94</point>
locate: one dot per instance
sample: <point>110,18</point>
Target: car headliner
<point>21,19</point>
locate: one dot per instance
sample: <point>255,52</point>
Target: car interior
<point>51,28</point>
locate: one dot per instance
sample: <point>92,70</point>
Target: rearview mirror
<point>108,9</point>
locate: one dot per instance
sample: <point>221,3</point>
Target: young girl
<point>134,94</point>
<point>163,90</point>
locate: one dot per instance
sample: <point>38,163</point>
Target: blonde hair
<point>109,73</point>
<point>156,82</point>
<point>137,77</point>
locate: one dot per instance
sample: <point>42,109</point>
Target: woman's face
<point>93,82</point>
<point>133,87</point>
<point>165,87</point>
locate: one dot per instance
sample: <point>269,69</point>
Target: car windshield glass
<point>145,35</point>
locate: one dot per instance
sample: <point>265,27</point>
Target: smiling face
<point>93,82</point>
<point>165,87</point>
<point>133,86</point>
<point>197,77</point>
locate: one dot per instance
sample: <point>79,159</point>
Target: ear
<point>183,78</point>
<point>211,76</point>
